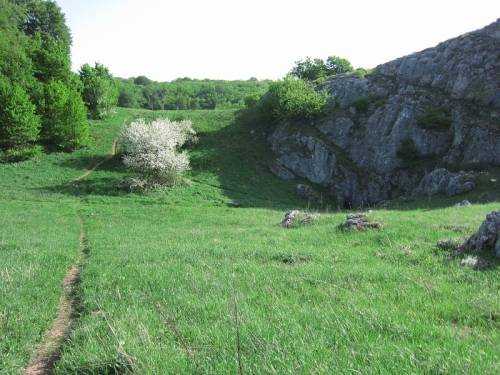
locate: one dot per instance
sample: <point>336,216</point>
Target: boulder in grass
<point>297,218</point>
<point>464,203</point>
<point>360,222</point>
<point>487,238</point>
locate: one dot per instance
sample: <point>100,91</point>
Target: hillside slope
<point>408,127</point>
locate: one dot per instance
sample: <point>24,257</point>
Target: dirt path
<point>48,352</point>
<point>98,164</point>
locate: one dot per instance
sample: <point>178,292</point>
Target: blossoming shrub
<point>153,151</point>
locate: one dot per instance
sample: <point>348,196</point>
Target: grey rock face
<point>282,172</point>
<point>442,181</point>
<point>487,237</point>
<point>436,110</point>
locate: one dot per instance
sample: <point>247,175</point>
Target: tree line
<point>187,93</point>
<point>43,104</point>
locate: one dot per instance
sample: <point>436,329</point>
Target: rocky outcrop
<point>487,238</point>
<point>405,127</point>
<point>442,181</point>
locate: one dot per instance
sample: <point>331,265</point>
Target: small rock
<point>360,222</point>
<point>448,245</point>
<point>474,262</point>
<point>289,218</point>
<point>297,218</point>
<point>464,203</point>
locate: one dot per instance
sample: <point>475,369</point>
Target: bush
<point>19,124</point>
<point>293,99</point>
<point>435,119</point>
<point>360,72</point>
<point>20,154</point>
<point>152,151</point>
<point>65,122</point>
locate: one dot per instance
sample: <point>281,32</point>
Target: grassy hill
<point>203,279</point>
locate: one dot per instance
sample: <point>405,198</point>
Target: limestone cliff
<point>405,128</point>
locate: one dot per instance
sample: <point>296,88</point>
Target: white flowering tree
<point>152,151</point>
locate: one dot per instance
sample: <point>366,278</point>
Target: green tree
<point>338,65</point>
<point>142,81</point>
<point>316,69</point>
<point>65,122</point>
<point>309,69</point>
<point>39,91</point>
<point>19,123</point>
<point>130,95</point>
<point>100,92</point>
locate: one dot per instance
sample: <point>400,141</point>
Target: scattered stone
<point>297,218</point>
<point>455,228</point>
<point>487,238</point>
<point>360,222</point>
<point>474,262</point>
<point>290,259</point>
<point>448,245</point>
<point>464,203</point>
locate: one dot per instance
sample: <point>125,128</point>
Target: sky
<point>239,39</point>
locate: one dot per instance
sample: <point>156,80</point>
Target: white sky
<point>238,39</point>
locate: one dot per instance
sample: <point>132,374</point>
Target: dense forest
<point>40,98</point>
<point>187,93</point>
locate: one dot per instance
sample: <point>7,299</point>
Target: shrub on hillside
<point>65,122</point>
<point>152,151</point>
<point>19,123</point>
<point>292,99</point>
<point>367,102</point>
<point>436,119</point>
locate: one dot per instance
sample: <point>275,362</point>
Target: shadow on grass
<point>106,186</point>
<point>84,162</point>
<point>93,184</point>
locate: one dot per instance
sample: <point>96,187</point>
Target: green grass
<point>38,243</point>
<point>182,282</point>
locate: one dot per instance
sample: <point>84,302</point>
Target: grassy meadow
<point>202,279</point>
